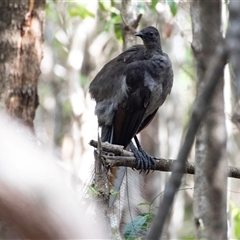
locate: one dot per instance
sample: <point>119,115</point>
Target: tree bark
<point>130,23</point>
<point>21,38</point>
<point>211,164</point>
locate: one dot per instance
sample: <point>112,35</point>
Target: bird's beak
<point>139,34</point>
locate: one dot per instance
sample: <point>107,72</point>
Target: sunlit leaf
<point>92,191</point>
<point>236,217</point>
<point>104,5</point>
<point>79,10</point>
<point>114,11</point>
<point>235,212</point>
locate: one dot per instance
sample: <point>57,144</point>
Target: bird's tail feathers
<point>117,173</point>
<point>115,182</point>
<point>106,133</point>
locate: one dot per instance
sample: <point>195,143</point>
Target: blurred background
<point>80,37</point>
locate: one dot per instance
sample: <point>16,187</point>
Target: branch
<point>126,159</point>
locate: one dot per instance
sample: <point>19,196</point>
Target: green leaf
<point>115,19</point>
<point>92,191</point>
<point>150,217</point>
<point>173,7</point>
<point>143,204</point>
<point>113,192</point>
<point>235,212</point>
<point>236,217</point>
<point>132,228</point>
<point>112,3</point>
<point>103,6</point>
<point>79,10</point>
<point>118,31</point>
<point>115,24</point>
<point>153,5</point>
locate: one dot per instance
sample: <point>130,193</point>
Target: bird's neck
<point>152,49</point>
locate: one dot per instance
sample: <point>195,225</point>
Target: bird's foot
<point>145,161</point>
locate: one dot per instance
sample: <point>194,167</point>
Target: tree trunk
<point>21,39</point>
<point>21,53</point>
<point>211,164</point>
<point>130,23</point>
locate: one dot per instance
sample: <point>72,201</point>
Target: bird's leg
<point>145,161</point>
<point>138,155</point>
<point>149,160</point>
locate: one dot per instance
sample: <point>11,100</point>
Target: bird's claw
<point>145,162</point>
<point>148,161</point>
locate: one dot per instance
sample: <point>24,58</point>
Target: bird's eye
<point>150,34</point>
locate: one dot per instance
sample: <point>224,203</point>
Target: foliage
<point>173,7</point>
<point>92,191</point>
<point>153,5</point>
<point>235,213</point>
<point>114,193</point>
<point>114,20</point>
<point>139,223</point>
<point>79,10</point>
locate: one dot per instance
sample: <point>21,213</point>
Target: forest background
<point>79,38</point>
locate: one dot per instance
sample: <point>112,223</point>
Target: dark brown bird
<point>128,91</point>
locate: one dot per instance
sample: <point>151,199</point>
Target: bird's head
<point>150,37</point>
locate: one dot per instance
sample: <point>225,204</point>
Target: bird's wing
<point>109,79</point>
<point>130,112</point>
